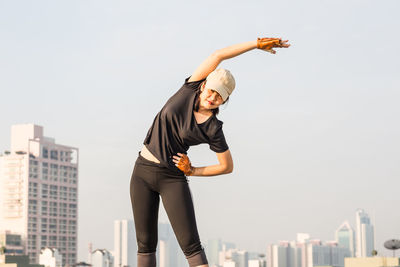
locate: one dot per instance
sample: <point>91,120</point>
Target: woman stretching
<point>187,119</point>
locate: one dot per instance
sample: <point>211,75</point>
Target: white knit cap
<point>221,81</point>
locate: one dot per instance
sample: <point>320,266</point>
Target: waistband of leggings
<point>142,159</point>
<point>157,166</point>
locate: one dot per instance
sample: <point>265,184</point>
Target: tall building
<point>39,192</point>
<point>345,237</point>
<point>365,234</point>
<point>214,246</point>
<point>125,246</point>
<point>279,255</point>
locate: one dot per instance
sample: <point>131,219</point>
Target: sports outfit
<point>173,131</point>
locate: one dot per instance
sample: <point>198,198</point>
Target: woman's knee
<point>196,258</point>
<point>192,249</point>
<point>146,244</point>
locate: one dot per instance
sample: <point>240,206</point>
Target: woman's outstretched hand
<point>267,44</point>
<point>183,163</point>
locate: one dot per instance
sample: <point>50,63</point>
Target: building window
<point>54,154</point>
<point>45,153</point>
<point>53,192</point>
<point>63,193</point>
<point>52,226</point>
<point>53,241</point>
<point>53,209</point>
<point>45,191</point>
<point>63,210</point>
<point>32,208</point>
<point>72,194</point>
<point>44,209</point>
<point>45,170</point>
<point>33,189</point>
<point>72,210</point>
<point>63,226</point>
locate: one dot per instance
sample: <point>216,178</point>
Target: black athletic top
<point>175,128</point>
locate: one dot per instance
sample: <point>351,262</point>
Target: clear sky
<point>314,130</point>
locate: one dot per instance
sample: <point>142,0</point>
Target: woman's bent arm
<point>225,166</point>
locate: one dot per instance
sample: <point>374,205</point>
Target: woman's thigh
<point>145,205</point>
<point>178,204</point>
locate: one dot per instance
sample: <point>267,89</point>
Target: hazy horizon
<point>313,130</point>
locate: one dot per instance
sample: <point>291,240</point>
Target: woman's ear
<point>203,85</point>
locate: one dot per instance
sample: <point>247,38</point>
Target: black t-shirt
<point>175,128</point>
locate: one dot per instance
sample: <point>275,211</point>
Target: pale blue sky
<point>314,130</point>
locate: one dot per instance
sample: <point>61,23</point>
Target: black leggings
<point>150,181</point>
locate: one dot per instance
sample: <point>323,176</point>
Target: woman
<point>188,118</point>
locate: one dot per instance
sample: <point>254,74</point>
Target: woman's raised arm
<point>212,62</point>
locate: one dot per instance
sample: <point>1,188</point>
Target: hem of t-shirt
<point>153,153</point>
<point>163,163</point>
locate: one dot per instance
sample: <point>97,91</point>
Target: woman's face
<point>210,99</point>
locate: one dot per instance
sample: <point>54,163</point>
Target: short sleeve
<point>218,143</point>
<point>193,85</point>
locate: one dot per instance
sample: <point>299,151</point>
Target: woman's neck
<point>204,111</point>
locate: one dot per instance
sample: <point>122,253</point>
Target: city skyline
<point>313,130</point>
<point>286,253</point>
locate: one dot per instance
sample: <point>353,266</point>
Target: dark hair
<point>215,111</point>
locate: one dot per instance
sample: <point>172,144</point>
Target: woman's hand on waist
<point>225,165</point>
<point>182,162</point>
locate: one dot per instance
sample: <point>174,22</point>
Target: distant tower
<point>365,234</point>
<point>214,246</point>
<point>125,247</point>
<point>345,237</point>
<point>90,250</point>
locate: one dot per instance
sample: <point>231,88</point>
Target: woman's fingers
<point>285,44</point>
<point>176,159</point>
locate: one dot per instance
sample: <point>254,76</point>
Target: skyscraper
<point>125,246</point>
<point>214,246</point>
<point>345,237</point>
<point>365,234</point>
<point>39,192</point>
<point>278,255</point>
